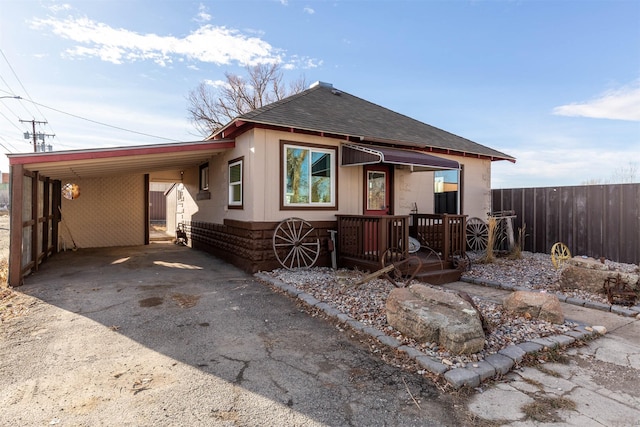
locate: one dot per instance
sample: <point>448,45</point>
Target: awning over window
<point>354,155</point>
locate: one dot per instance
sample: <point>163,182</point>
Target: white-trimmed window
<point>235,183</point>
<point>204,177</point>
<point>309,176</point>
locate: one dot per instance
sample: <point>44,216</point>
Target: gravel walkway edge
<point>472,375</point>
<point>613,308</point>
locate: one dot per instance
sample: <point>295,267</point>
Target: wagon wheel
<point>296,244</point>
<point>405,268</point>
<point>461,261</point>
<point>559,254</point>
<point>477,234</point>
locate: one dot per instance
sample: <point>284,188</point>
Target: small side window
<point>203,190</point>
<point>204,177</point>
<point>235,183</point>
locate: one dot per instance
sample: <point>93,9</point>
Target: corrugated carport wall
<point>111,211</point>
<point>34,221</point>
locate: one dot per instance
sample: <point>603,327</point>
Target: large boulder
<point>538,305</point>
<point>434,315</point>
<point>589,274</point>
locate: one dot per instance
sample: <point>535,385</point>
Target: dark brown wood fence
<point>592,220</point>
<point>158,206</point>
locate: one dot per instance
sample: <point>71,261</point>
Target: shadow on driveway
<point>166,335</point>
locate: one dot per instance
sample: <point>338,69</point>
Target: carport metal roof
<point>99,162</point>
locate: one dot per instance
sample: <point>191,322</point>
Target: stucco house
<point>332,160</point>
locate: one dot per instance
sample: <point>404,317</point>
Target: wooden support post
<point>16,186</point>
<point>34,219</point>
<point>147,215</point>
<point>56,199</point>
<point>446,238</point>
<point>46,218</point>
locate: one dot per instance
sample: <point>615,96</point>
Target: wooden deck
<point>365,241</point>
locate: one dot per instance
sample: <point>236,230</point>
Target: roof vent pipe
<point>321,84</point>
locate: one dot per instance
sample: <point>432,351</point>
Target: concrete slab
<point>600,409</point>
<point>501,403</point>
<point>547,383</point>
<point>165,335</point>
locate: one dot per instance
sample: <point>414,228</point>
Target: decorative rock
<point>434,315</point>
<point>600,329</point>
<point>589,274</point>
<point>538,305</point>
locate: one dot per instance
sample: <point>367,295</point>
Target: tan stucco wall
<point>416,188</point>
<point>477,187</point>
<point>109,212</point>
<point>261,151</point>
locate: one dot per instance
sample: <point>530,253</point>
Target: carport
<point>111,191</point>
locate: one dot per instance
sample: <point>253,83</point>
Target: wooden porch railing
<point>445,234</point>
<point>362,240</point>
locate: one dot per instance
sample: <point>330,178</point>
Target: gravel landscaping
<point>366,303</point>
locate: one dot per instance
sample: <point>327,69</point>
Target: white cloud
<point>203,15</point>
<point>210,44</point>
<point>216,83</point>
<point>60,7</point>
<point>309,10</point>
<point>558,166</point>
<point>617,104</point>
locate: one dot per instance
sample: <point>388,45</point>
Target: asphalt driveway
<point>165,335</point>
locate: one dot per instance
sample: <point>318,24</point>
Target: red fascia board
<point>240,128</point>
<point>116,152</point>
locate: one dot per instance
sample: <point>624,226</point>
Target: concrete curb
<point>618,309</point>
<point>472,375</point>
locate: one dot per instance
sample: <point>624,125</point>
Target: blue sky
<point>555,84</point>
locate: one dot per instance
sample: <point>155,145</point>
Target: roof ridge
<point>278,103</point>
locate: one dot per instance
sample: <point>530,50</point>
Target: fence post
<point>446,233</point>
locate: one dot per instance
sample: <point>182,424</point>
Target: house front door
<point>378,190</point>
<point>377,201</point>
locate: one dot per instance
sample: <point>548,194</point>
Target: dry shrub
<point>4,273</point>
<point>492,224</point>
<point>544,409</point>
<point>516,253</point>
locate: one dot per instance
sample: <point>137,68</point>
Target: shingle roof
<point>323,108</point>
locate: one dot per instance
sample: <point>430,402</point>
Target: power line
<point>10,121</point>
<point>8,143</point>
<point>104,124</point>
<point>93,121</point>
<point>20,82</point>
<point>36,104</point>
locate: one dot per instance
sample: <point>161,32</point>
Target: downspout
<point>458,192</point>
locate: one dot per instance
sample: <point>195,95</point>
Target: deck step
<point>439,277</point>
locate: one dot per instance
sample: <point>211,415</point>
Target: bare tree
<point>621,175</point>
<point>625,174</point>
<point>210,107</point>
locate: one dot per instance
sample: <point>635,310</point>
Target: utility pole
<point>35,135</point>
